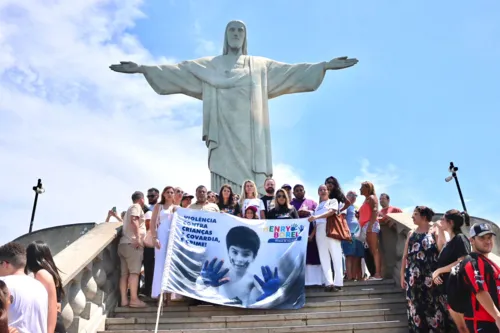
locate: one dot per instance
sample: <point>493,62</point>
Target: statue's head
<point>235,37</point>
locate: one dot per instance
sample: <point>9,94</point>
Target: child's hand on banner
<point>271,282</point>
<point>212,276</point>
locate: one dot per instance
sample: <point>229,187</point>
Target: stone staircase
<point>368,306</point>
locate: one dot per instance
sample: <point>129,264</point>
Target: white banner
<point>223,259</point>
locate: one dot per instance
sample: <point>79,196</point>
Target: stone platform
<point>361,307</point>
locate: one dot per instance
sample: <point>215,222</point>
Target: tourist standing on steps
<point>330,250</point>
<point>39,261</point>
<point>282,208</point>
<point>226,203</point>
<point>186,200</point>
<point>451,253</point>
<point>288,190</point>
<point>249,198</point>
<point>425,311</point>
<point>202,202</point>
<point>268,199</point>
<point>179,194</point>
<point>368,213</point>
<point>305,208</point>
<point>161,222</point>
<point>482,282</point>
<point>385,203</point>
<point>153,195</point>
<point>28,312</point>
<point>148,257</point>
<point>131,251</point>
<point>353,250</point>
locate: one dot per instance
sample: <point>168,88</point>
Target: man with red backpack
<point>481,276</point>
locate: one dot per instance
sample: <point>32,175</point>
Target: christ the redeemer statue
<point>235,89</point>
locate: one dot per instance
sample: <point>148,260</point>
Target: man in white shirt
<point>29,309</point>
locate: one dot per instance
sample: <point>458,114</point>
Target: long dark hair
<point>336,192</point>
<point>230,202</point>
<point>4,315</point>
<point>458,218</point>
<point>38,256</point>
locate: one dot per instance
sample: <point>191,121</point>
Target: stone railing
<point>57,238</point>
<point>394,236</point>
<point>90,272</point>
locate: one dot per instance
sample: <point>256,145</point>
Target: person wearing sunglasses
<point>282,208</point>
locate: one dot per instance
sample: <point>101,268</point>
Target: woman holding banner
<point>160,230</point>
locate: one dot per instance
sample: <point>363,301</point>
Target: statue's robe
<point>235,108</point>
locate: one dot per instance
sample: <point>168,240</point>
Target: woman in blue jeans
<point>353,251</point>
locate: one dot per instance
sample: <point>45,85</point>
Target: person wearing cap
<point>482,278</point>
<point>130,251</point>
<point>288,190</point>
<point>186,200</point>
<point>251,213</point>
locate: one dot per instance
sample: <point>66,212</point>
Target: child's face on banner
<point>240,258</point>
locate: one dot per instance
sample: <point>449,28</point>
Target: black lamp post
<point>38,190</point>
<point>453,170</point>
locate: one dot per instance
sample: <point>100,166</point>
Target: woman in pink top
<point>368,221</point>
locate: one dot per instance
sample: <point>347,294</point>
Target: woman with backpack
<point>451,253</point>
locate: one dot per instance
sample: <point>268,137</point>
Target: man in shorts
<point>130,251</point>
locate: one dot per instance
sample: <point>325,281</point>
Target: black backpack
<point>457,294</point>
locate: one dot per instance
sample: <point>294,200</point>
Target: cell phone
<point>113,209</point>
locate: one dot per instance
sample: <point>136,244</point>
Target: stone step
<point>253,321</point>
<point>317,296</point>
<point>341,303</point>
<point>394,326</point>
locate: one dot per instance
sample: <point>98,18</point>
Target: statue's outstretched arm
<point>341,63</point>
<point>127,67</point>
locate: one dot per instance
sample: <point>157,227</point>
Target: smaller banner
<point>223,259</point>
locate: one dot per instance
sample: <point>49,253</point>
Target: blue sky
<point>423,94</point>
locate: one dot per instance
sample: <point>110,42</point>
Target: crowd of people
<point>431,252</point>
<point>437,256</point>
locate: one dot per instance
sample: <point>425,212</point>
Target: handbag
<point>337,228</point>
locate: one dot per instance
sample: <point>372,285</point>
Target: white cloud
<point>382,178</point>
<point>92,135</point>
<point>286,174</point>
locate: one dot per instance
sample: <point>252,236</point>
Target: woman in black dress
<point>451,253</point>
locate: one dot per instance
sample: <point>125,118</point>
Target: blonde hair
<point>243,195</point>
<point>287,199</point>
<point>371,187</point>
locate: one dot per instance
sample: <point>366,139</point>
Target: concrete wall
<point>58,238</point>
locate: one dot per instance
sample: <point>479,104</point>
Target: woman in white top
<point>160,230</point>
<point>330,250</point>
<point>249,197</point>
